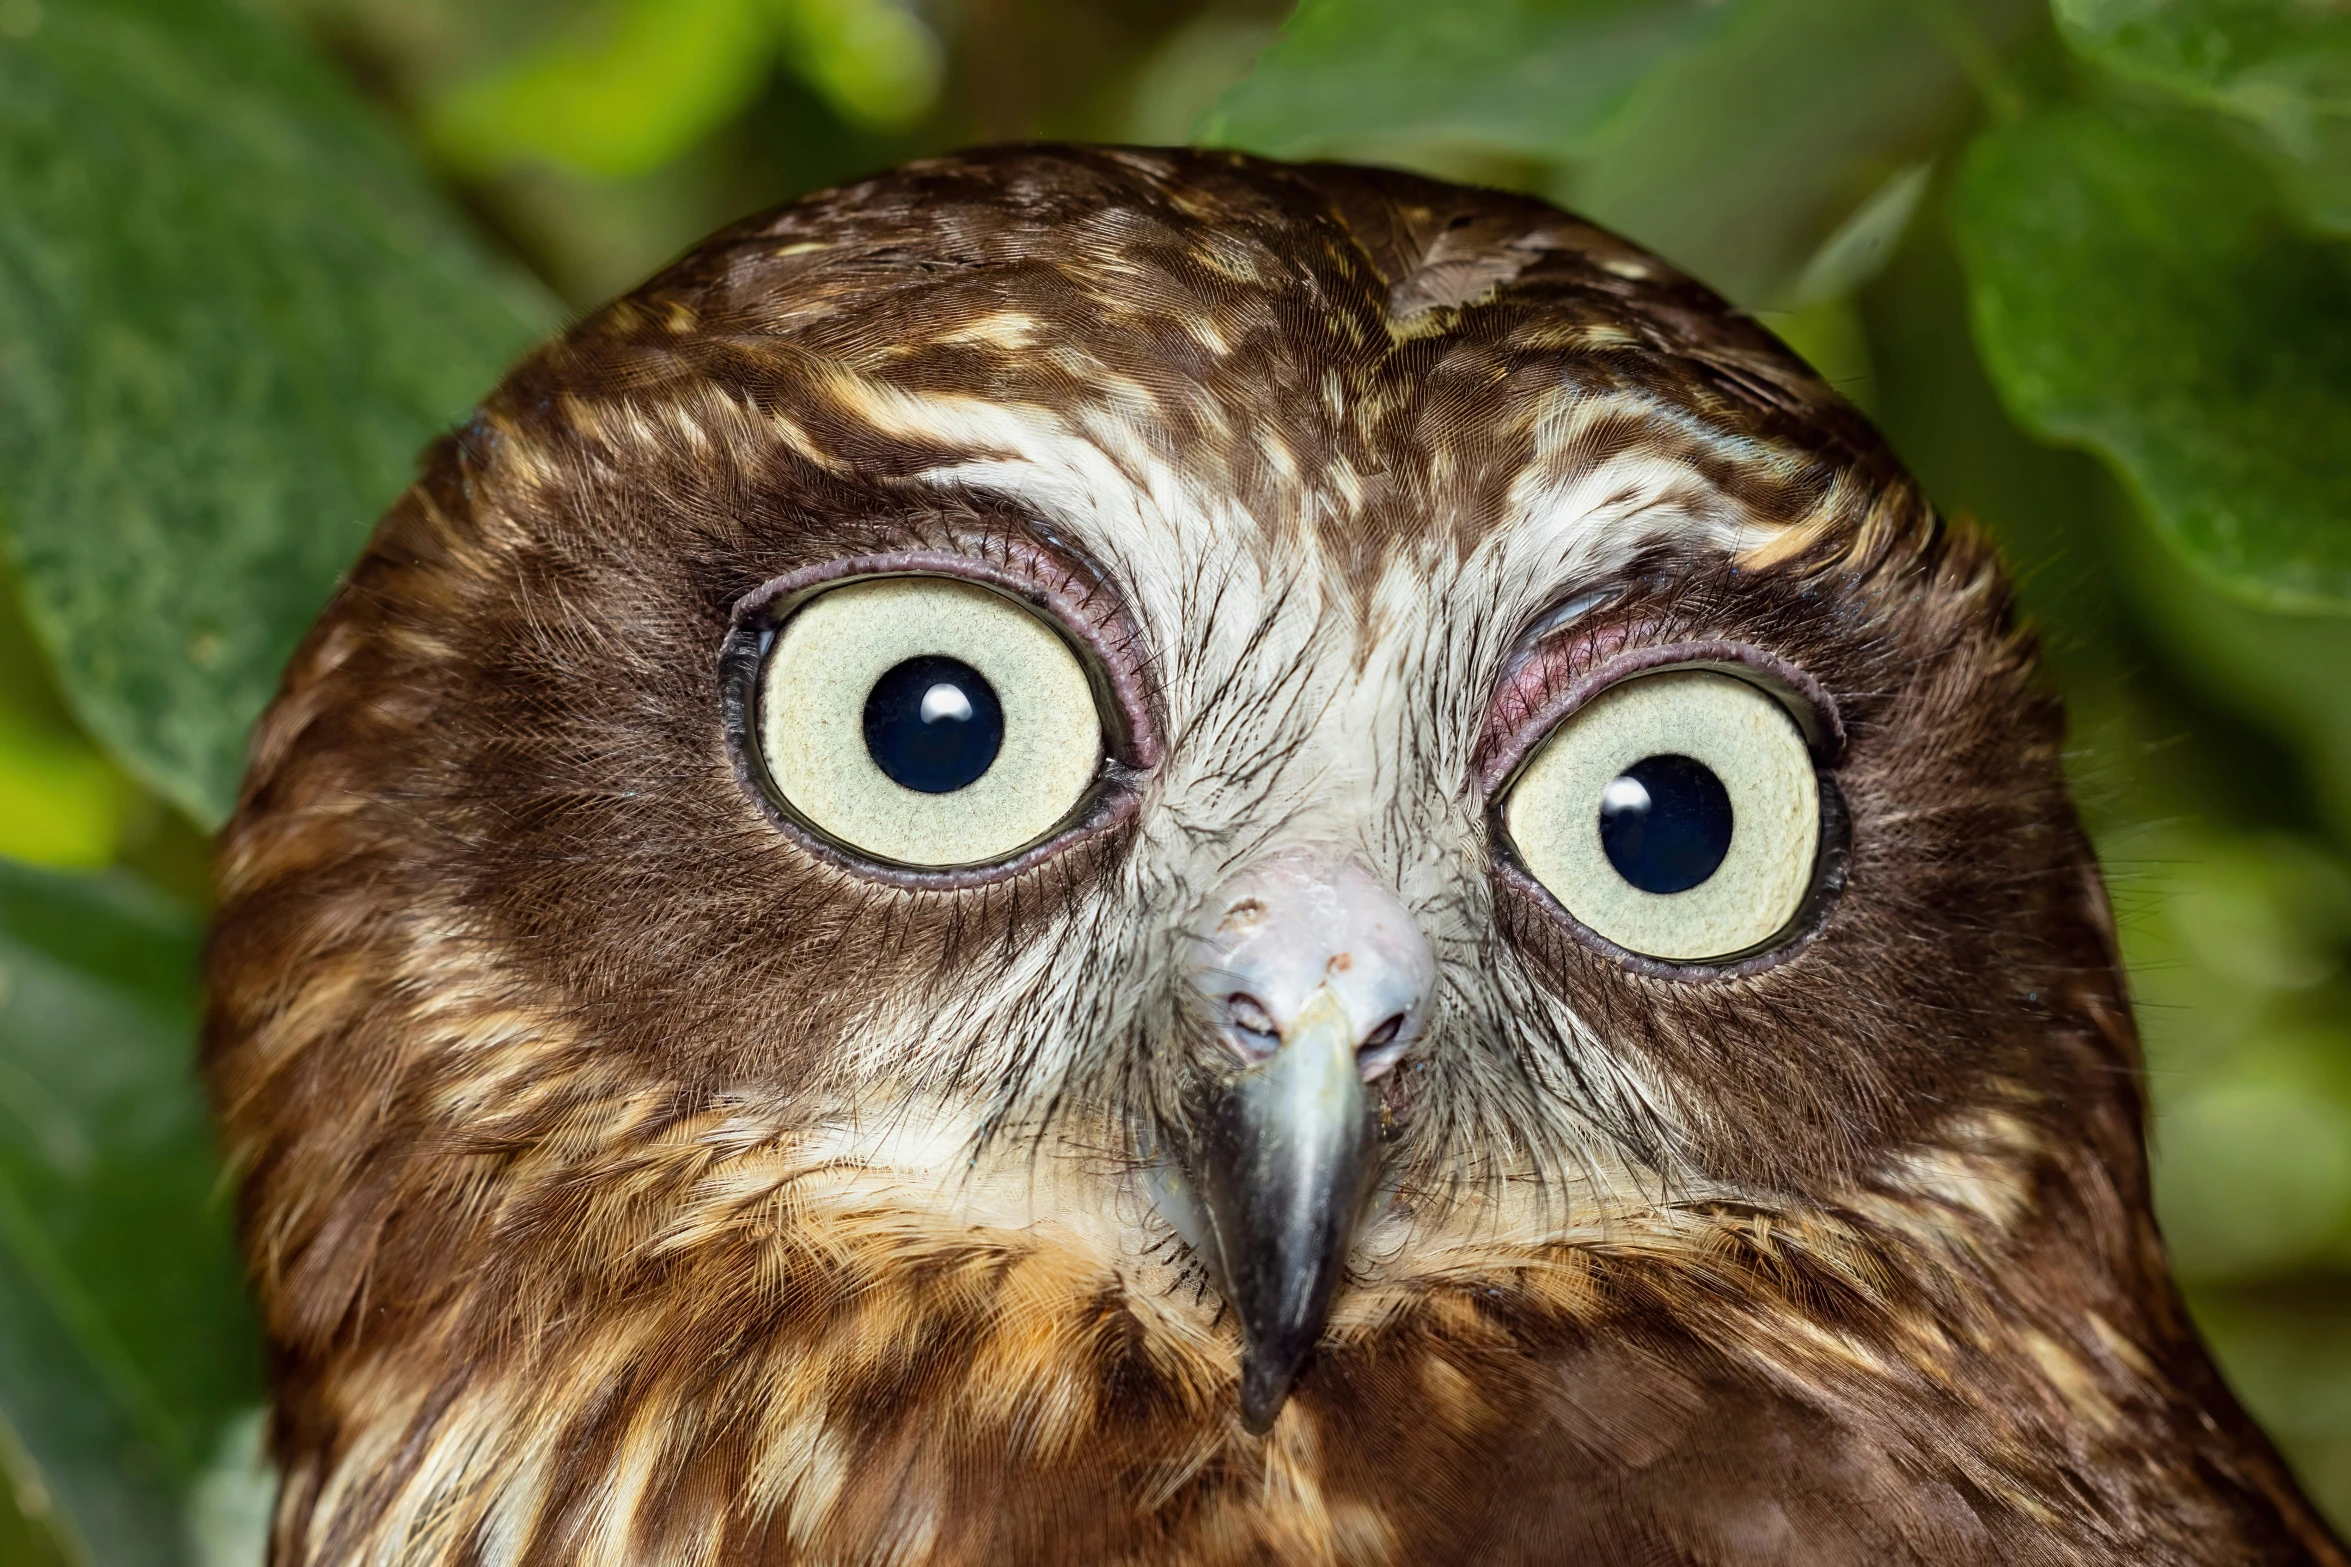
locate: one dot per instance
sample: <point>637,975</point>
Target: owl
<point>1115,856</point>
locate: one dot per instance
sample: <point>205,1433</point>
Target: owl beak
<point>1284,1165</point>
<point>1318,977</point>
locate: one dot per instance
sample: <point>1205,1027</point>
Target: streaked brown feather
<point>524,1022</point>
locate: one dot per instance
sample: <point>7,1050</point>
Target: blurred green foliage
<point>635,89</point>
<point>2135,277</point>
<point>2285,69</point>
<point>232,310</point>
<point>2084,260</point>
<point>1539,80</point>
<point>126,1346</point>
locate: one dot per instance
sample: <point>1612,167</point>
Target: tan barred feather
<point>625,1184</point>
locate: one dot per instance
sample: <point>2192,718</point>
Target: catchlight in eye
<point>927,721</point>
<point>933,724</point>
<point>1675,814</point>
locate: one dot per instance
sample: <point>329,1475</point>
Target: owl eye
<point>927,722</point>
<point>1676,814</point>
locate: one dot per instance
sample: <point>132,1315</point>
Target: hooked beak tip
<point>1285,1165</point>
<point>1265,1387</point>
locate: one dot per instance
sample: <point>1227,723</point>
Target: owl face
<point>1300,735</point>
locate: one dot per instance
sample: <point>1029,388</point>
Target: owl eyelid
<point>1544,701</point>
<point>1552,694</point>
<point>1830,872</point>
<point>1096,628</point>
<point>1098,625</point>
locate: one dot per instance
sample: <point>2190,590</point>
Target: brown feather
<point>527,1019</point>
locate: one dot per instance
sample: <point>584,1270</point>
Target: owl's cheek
<point>1756,1063</point>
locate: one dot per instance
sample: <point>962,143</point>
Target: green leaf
<point>30,1533</point>
<point>2284,65</point>
<point>1780,160</point>
<point>2250,662</point>
<point>61,803</point>
<point>875,61</point>
<point>1180,82</point>
<point>1865,241</point>
<point>662,76</point>
<point>1540,78</point>
<point>2137,291</point>
<point>126,1346</point>
<point>1744,140</point>
<point>231,312</point>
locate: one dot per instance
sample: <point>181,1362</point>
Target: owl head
<point>1044,819</point>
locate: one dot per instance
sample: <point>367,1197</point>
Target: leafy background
<point>2088,262</point>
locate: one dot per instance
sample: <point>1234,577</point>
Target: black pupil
<point>933,724</point>
<point>1666,823</point>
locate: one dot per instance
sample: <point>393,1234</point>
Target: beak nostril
<point>1246,914</point>
<point>1249,1015</point>
<point>1292,956</point>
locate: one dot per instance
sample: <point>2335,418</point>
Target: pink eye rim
<point>1077,604</point>
<point>1559,676</point>
<point>1534,918</point>
<point>1548,687</point>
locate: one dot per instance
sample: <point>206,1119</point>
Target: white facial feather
<point>1293,715</point>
